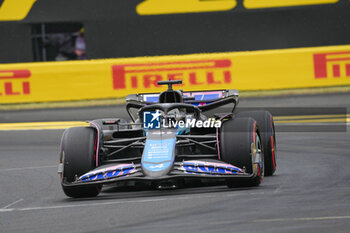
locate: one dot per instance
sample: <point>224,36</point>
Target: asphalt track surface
<point>309,193</point>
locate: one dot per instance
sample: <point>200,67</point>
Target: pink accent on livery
<point>204,92</point>
<point>213,164</point>
<point>194,93</point>
<point>98,141</point>
<point>108,169</point>
<point>217,137</point>
<point>254,131</point>
<point>217,143</point>
<point>61,144</point>
<point>273,153</point>
<point>206,163</point>
<point>149,95</point>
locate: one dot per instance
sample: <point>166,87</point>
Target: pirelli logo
<point>146,75</point>
<point>334,65</point>
<point>14,82</point>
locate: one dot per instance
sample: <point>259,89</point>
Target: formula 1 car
<point>172,137</point>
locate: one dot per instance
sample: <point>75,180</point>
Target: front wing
<point>187,169</point>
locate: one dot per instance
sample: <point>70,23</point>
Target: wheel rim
<point>258,156</point>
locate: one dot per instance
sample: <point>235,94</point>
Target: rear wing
<point>204,100</point>
<point>197,98</point>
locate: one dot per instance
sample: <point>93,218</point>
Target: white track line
<point>93,204</point>
<point>120,202</point>
<point>25,168</point>
<point>13,203</point>
<point>303,219</point>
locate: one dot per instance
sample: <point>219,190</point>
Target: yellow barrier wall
<point>96,79</point>
<point>158,7</point>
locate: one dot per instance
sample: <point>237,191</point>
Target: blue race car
<point>172,137</point>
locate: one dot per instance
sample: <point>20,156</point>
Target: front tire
<point>78,150</point>
<point>267,131</point>
<point>241,146</point>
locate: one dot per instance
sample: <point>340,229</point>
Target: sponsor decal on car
<point>212,168</point>
<point>158,155</point>
<point>203,97</point>
<point>108,172</point>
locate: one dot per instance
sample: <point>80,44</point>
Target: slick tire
<point>78,150</point>
<point>240,146</point>
<point>267,131</point>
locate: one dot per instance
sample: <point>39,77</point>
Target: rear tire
<point>240,145</point>
<point>267,131</point>
<point>78,150</point>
